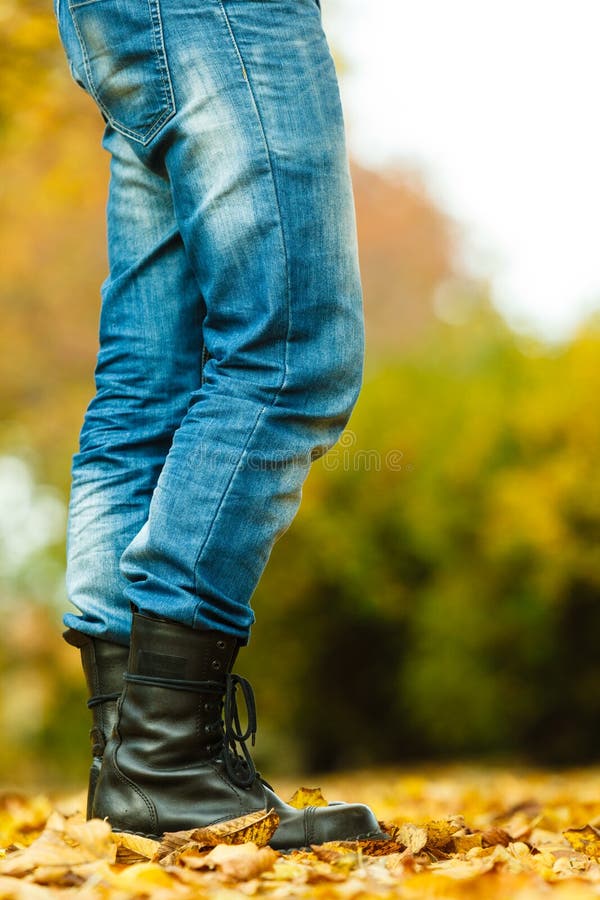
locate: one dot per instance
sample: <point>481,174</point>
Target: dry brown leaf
<point>586,840</point>
<point>257,827</point>
<point>378,848</point>
<point>239,862</point>
<point>340,856</point>
<point>413,837</point>
<point>440,831</point>
<point>465,842</point>
<point>495,835</point>
<point>132,848</point>
<point>474,864</point>
<point>305,797</point>
<point>63,844</point>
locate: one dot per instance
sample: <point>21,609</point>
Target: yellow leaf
<point>343,857</point>
<point>439,831</point>
<point>62,844</point>
<point>413,837</point>
<point>257,827</point>
<point>586,840</point>
<point>143,875</point>
<point>464,842</point>
<point>304,797</point>
<point>22,818</point>
<point>236,862</point>
<point>132,848</point>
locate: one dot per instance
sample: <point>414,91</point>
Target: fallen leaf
<point>304,797</point>
<point>257,827</point>
<point>64,845</point>
<point>342,857</point>
<point>132,848</point>
<point>440,831</point>
<point>236,862</point>
<point>141,876</point>
<point>11,889</point>
<point>495,835</point>
<point>464,842</point>
<point>22,818</point>
<point>413,837</point>
<point>379,848</point>
<point>586,840</point>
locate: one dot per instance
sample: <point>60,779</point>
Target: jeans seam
<point>277,203</point>
<point>220,504</point>
<point>281,386</point>
<point>161,52</point>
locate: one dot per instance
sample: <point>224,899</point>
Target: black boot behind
<point>104,664</point>
<point>177,758</point>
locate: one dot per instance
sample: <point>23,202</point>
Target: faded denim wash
<point>231,333</point>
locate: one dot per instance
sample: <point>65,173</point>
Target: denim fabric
<point>231,333</point>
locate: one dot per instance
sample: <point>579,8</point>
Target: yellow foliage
<point>465,848</point>
<point>304,797</point>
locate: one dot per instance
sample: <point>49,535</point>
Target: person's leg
<point>149,362</point>
<point>257,159</point>
<point>238,102</point>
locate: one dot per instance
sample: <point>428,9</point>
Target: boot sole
<point>370,835</point>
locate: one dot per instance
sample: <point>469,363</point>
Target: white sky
<point>497,105</point>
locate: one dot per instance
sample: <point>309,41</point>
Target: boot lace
<point>236,755</point>
<point>240,767</point>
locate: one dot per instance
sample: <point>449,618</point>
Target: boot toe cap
<point>343,822</point>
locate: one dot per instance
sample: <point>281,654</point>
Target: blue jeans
<point>231,334</point>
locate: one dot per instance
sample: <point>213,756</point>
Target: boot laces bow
<point>240,768</point>
<point>238,765</point>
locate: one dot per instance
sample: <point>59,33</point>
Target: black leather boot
<point>177,758</point>
<point>103,666</point>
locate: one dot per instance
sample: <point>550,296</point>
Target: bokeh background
<point>437,596</point>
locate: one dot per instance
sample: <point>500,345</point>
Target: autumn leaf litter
<point>456,834</point>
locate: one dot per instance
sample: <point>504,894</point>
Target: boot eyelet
<point>215,664</point>
<point>221,645</point>
<point>207,707</point>
<point>208,729</point>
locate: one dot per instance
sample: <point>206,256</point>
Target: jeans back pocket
<point>125,62</point>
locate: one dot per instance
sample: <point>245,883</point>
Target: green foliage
<point>449,606</point>
<point>437,594</point>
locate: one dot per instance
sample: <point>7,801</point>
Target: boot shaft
<point>180,674</point>
<point>173,748</point>
<point>104,665</point>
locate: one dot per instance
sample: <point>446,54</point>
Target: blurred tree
<point>408,249</point>
<point>438,591</point>
<point>53,235</point>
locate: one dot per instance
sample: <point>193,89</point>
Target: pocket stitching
<point>160,57</point>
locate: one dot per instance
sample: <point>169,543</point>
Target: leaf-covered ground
<point>464,832</point>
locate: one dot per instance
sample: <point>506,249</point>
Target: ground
<point>463,831</point>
